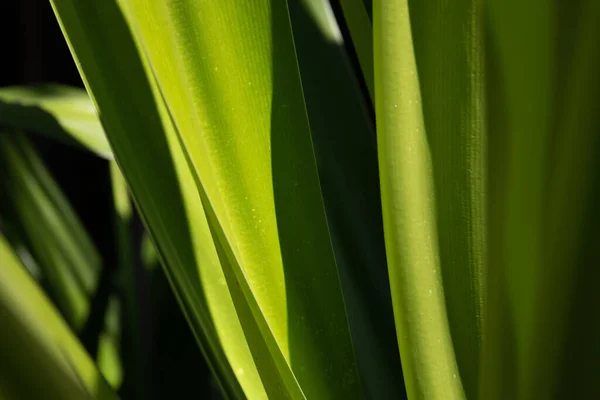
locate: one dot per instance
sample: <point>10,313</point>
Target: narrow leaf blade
<point>409,215</point>
<point>37,343</point>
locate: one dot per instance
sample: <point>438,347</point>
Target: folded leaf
<point>238,105</point>
<point>150,155</point>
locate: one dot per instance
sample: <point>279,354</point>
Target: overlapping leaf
<point>152,160</point>
<point>59,242</point>
<point>346,152</point>
<point>255,173</point>
<point>247,136</point>
<point>35,342</point>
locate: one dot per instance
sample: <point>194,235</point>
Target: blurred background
<point>33,51</point>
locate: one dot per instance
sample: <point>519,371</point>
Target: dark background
<point>33,50</point>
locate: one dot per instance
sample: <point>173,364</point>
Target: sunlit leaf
<point>62,112</point>
<point>409,211</point>
<point>257,173</point>
<point>152,160</point>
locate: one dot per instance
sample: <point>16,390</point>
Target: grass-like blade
<point>35,342</point>
<point>56,237</point>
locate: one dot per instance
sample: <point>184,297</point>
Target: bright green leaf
<point>257,171</point>
<point>152,160</point>
<point>409,211</point>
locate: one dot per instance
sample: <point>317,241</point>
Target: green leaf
<point>150,155</point>
<point>66,257</point>
<point>258,232</point>
<point>62,112</point>
<point>543,223</point>
<point>346,151</point>
<point>409,210</point>
<point>238,105</point>
<point>36,343</point>
<point>56,237</point>
<point>449,49</point>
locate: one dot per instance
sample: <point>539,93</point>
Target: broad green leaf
<point>155,167</point>
<point>409,210</point>
<point>39,356</point>
<point>59,242</point>
<point>62,112</point>
<point>229,76</point>
<point>346,152</point>
<point>449,49</point>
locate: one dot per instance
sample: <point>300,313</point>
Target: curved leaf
<point>62,112</point>
<point>238,105</point>
<point>154,165</point>
<point>409,215</point>
<point>449,49</point>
